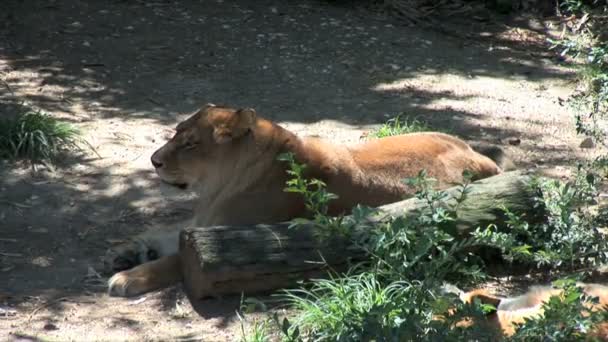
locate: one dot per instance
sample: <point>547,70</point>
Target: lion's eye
<point>152,255</point>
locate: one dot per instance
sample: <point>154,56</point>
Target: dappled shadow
<point>293,61</point>
<point>103,64</point>
<point>226,307</point>
<point>56,227</point>
<point>55,230</point>
<point>297,62</point>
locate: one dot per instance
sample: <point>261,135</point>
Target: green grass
<point>36,136</point>
<point>349,308</point>
<point>259,331</point>
<point>399,125</point>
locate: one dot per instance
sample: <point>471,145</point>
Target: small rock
<point>587,143</point>
<point>42,261</point>
<point>514,141</point>
<point>50,326</point>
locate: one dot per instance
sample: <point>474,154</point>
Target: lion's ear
<point>245,119</point>
<point>206,107</point>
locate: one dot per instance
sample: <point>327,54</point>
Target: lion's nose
<point>155,161</point>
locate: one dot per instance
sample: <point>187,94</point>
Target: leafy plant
<point>396,295</point>
<point>569,236</point>
<point>316,199</point>
<point>36,136</point>
<point>426,246</point>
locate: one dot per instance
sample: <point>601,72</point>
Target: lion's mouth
<point>181,186</point>
<point>169,179</point>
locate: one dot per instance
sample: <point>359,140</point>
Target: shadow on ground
<point>300,61</point>
<point>149,62</point>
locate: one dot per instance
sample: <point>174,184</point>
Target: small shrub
<point>425,247</point>
<point>397,125</point>
<point>570,235</point>
<point>316,200</point>
<point>36,136</point>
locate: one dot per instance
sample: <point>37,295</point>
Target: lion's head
<point>200,141</point>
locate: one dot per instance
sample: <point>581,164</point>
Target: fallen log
<point>252,258</point>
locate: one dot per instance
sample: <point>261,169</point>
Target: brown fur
<point>229,157</point>
<point>511,311</point>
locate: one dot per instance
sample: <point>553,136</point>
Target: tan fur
<point>511,311</point>
<point>229,157</point>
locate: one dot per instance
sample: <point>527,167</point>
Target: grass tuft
<point>36,136</point>
<point>399,125</point>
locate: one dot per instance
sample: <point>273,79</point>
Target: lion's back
<point>442,156</point>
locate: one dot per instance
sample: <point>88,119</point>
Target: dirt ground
<point>126,72</point>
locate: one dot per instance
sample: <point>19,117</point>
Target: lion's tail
<point>497,154</point>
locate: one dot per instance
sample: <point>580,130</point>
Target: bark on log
<point>234,259</point>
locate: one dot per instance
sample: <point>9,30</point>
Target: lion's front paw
<point>143,248</point>
<point>148,277</point>
<point>122,257</point>
<point>126,284</point>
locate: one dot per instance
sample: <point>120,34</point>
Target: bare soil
<point>126,72</point>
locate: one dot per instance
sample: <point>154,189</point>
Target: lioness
<point>229,157</point>
<point>515,310</point>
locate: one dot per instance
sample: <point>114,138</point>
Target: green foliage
<point>36,136</point>
<point>425,247</point>
<point>567,317</point>
<point>363,307</point>
<point>258,330</point>
<point>569,236</point>
<point>397,125</point>
<point>587,44</point>
<point>378,303</point>
<point>399,294</point>
<point>265,330</point>
<point>316,199</point>
<point>576,6</point>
